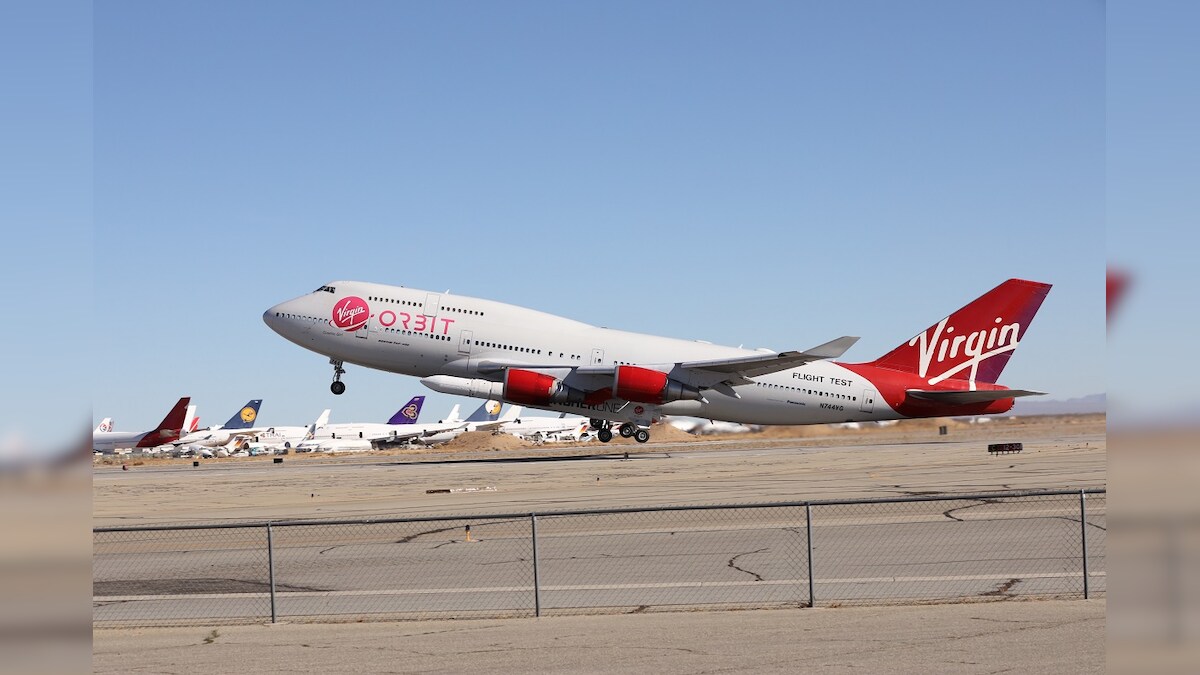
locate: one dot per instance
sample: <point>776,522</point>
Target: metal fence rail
<point>831,552</point>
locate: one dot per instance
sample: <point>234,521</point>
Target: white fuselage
<point>546,427</point>
<point>111,441</point>
<point>418,333</point>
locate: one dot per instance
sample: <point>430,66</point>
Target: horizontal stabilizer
<point>964,397</point>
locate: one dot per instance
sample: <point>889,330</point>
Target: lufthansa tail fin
<point>488,412</point>
<point>975,342</point>
<point>245,417</point>
<point>409,412</point>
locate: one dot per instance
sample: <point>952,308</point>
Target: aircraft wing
<point>719,374</point>
<point>739,369</point>
<point>964,397</point>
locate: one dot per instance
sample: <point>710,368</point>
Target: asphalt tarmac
<point>928,552</point>
<point>1051,637</point>
<point>894,462</point>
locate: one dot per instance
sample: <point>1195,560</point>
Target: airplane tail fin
<point>454,414</point>
<point>168,429</point>
<point>319,423</point>
<point>105,425</point>
<point>409,413</point>
<point>190,421</point>
<point>513,412</point>
<point>488,412</point>
<point>244,418</point>
<point>975,342</point>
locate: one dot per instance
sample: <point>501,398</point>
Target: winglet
<point>834,348</point>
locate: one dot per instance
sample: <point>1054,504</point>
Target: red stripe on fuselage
<point>893,385</point>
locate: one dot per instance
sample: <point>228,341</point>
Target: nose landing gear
<point>338,387</point>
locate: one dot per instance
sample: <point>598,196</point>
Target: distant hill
<point>1095,403</point>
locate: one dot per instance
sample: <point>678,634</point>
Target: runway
<point>896,463</point>
<point>614,562</point>
<point>608,562</point>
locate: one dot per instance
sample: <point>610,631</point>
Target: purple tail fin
<point>409,412</point>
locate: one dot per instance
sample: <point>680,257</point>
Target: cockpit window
<point>327,289</point>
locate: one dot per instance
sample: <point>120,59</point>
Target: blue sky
<point>1153,160</point>
<point>767,174</point>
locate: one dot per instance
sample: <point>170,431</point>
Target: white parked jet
<point>562,428</point>
<point>168,430</point>
<point>275,438</point>
<point>360,437</point>
<point>699,427</point>
<point>242,422</point>
<point>486,349</point>
<point>485,418</point>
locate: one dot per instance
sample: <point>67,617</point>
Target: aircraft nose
<point>271,317</point>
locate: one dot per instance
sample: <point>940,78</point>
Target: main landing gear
<point>338,387</point>
<point>628,429</point>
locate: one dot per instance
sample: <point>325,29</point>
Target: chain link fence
<point>822,553</point>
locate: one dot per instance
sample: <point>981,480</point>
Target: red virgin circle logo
<point>350,313</point>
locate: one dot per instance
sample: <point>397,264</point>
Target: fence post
<point>271,569</point>
<point>812,598</point>
<point>537,590</point>
<point>1083,538</point>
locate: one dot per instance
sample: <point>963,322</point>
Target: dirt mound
<point>482,440</point>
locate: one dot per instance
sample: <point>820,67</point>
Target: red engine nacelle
<point>532,388</point>
<point>650,386</point>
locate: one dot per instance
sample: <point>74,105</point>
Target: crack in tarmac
<point>968,506</point>
<point>756,576</point>
<point>1002,590</point>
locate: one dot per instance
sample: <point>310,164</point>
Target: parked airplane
<point>359,437</point>
<point>168,430</point>
<point>363,437</point>
<point>562,428</point>
<point>485,418</point>
<point>699,427</point>
<point>241,422</point>
<point>275,438</point>
<point>486,349</point>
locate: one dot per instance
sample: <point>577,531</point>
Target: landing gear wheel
<point>641,436</point>
<point>627,430</point>
<point>337,387</point>
<point>605,435</point>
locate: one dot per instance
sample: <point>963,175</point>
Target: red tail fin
<point>975,342</point>
<point>168,429</point>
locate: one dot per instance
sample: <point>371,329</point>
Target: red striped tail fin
<point>975,342</point>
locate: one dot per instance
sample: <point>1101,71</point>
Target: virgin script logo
<point>351,313</point>
<point>976,347</point>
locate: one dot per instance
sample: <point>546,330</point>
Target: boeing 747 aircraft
<point>106,440</point>
<point>485,349</point>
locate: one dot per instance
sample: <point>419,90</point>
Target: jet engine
<point>650,386</point>
<point>532,388</point>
